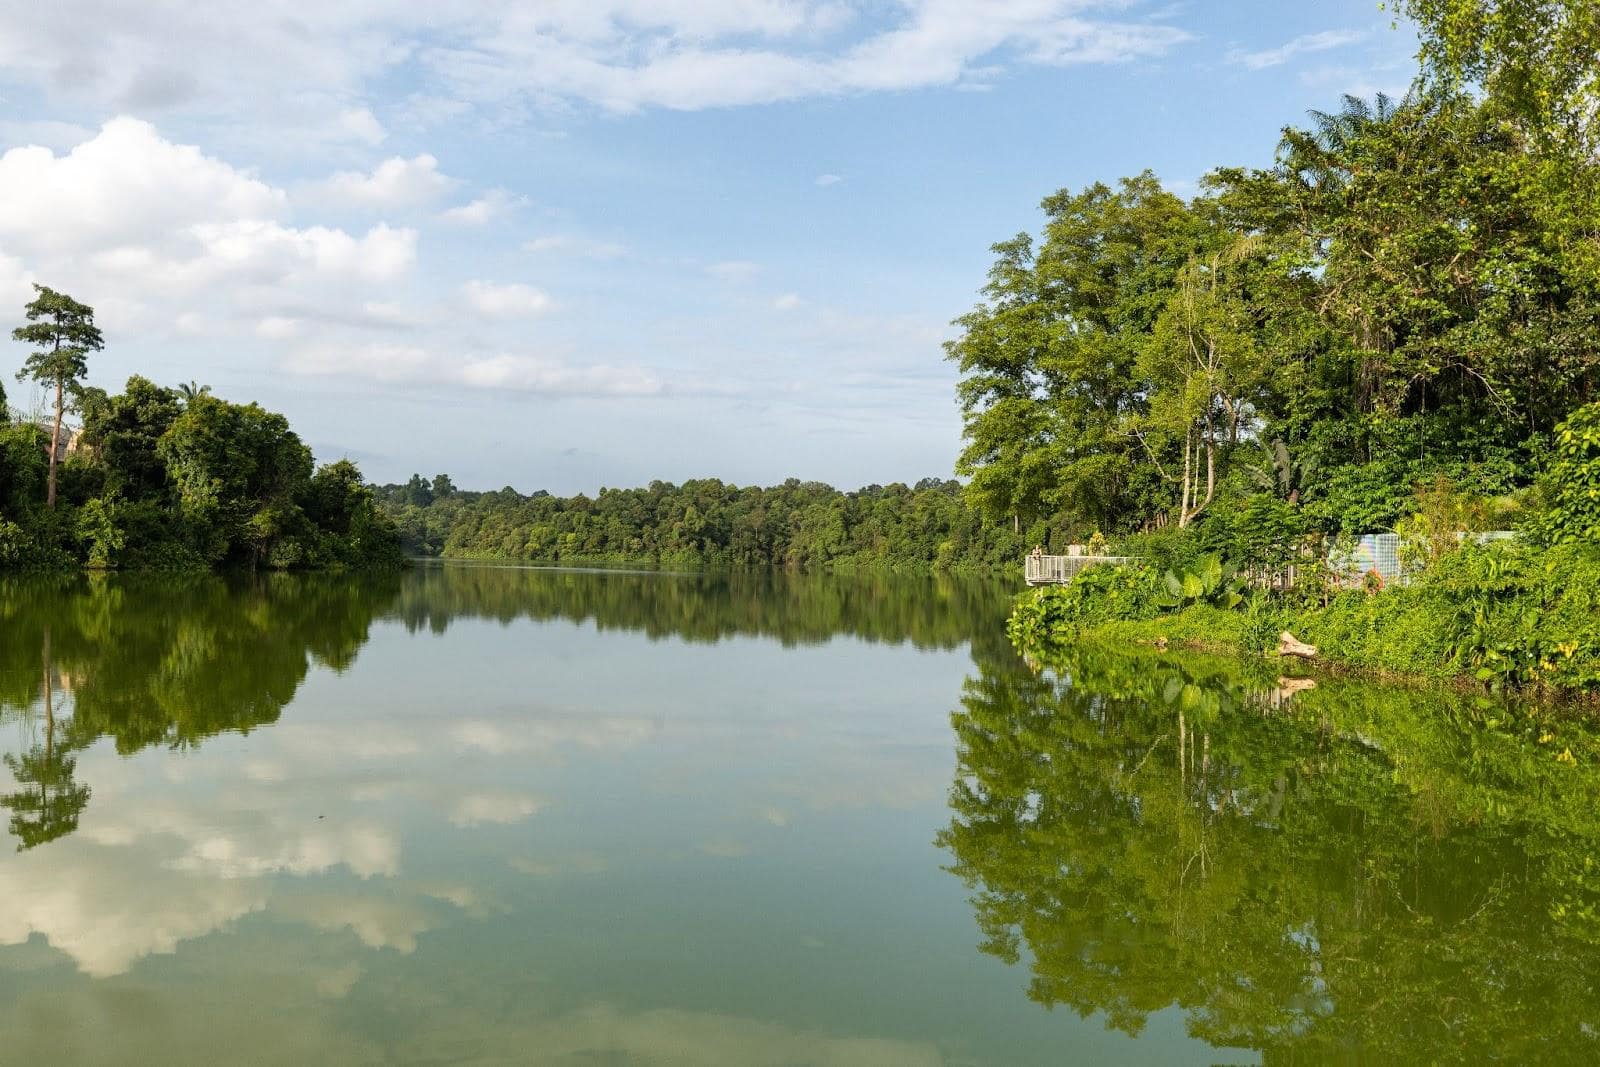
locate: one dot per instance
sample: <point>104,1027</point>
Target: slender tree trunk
<point>49,699</point>
<point>55,443</point>
<point>1188,479</point>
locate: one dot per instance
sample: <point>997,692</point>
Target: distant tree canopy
<point>707,522</point>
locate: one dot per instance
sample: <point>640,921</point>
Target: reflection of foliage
<point>935,612</point>
<point>160,661</point>
<point>1350,872</point>
<point>173,660</point>
<point>49,809</point>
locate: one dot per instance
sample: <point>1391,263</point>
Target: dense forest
<point>707,522</point>
<point>1409,297</point>
<point>164,477</point>
<point>1394,328</point>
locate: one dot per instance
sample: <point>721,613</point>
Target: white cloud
<point>787,302</point>
<point>395,184</point>
<point>486,208</point>
<point>1302,45</point>
<point>533,374</point>
<point>417,364</point>
<point>373,361</point>
<point>618,54</point>
<point>826,180</point>
<point>360,124</point>
<point>513,301</point>
<point>128,218</point>
<point>502,807</point>
<point>582,247</point>
<point>277,328</point>
<point>127,184</point>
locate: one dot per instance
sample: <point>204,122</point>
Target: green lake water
<point>500,815</point>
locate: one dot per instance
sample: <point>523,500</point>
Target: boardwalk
<point>1056,570</point>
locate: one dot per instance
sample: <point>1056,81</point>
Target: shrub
<point>1571,484</point>
<point>1095,595</point>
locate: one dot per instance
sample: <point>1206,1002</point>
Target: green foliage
<point>1571,484</point>
<point>1347,873</point>
<point>100,531</point>
<point>1411,291</point>
<point>62,333</point>
<point>172,478</point>
<point>1168,548</point>
<point>1210,582</point>
<point>14,544</point>
<point>1534,57</point>
<point>709,523</point>
<point>1505,614</point>
<point>182,481</point>
<point>1098,594</point>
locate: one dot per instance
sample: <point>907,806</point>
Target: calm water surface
<point>494,815</point>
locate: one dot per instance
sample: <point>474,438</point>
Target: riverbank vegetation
<point>709,523</point>
<point>1394,328</point>
<point>166,478</point>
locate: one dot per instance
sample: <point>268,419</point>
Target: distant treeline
<point>707,522</point>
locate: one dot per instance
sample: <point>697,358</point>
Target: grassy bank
<point>1504,616</point>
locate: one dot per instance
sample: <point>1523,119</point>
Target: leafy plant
<point>1572,482</point>
<point>1211,582</point>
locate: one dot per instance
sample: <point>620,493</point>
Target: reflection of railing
<point>1053,570</point>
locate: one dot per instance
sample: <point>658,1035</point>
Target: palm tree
<point>189,392</point>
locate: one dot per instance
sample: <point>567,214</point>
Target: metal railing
<point>1054,570</point>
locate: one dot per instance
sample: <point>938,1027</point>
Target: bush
<point>1096,595</point>
<point>1571,484</point>
<point>1169,549</point>
<point>1506,614</point>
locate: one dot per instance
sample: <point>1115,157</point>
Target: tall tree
<point>63,334</point>
<point>1047,359</point>
<point>1204,371</point>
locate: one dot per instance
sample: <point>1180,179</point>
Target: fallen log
<point>1289,645</point>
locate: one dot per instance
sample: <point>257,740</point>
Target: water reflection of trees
<point>1357,874</point>
<point>48,800</point>
<point>171,660</point>
<point>157,661</point>
<point>934,612</point>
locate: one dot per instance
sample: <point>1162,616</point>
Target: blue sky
<point>571,244</point>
